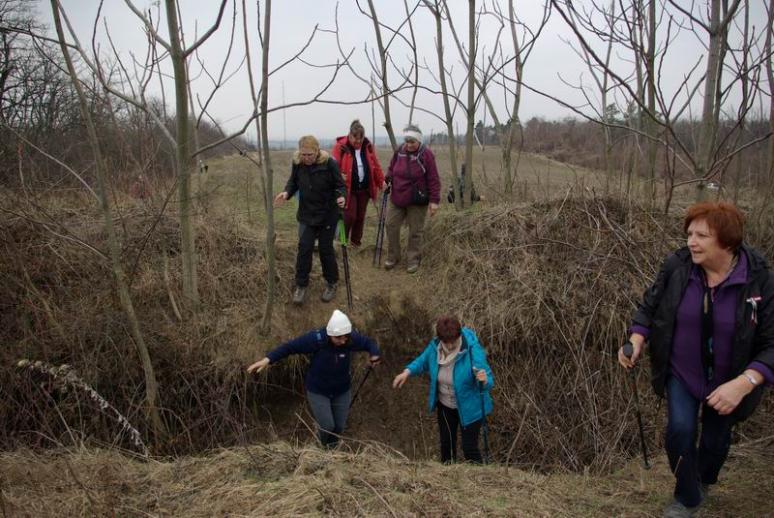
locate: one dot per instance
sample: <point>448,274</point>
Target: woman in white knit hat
<point>328,380</point>
<point>415,191</point>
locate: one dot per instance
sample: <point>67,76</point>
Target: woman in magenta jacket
<point>415,191</point>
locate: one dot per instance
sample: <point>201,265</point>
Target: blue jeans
<point>690,466</point>
<point>331,415</point>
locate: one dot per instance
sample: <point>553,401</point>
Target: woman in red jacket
<point>363,177</point>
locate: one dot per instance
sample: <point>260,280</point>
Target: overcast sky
<point>553,67</point>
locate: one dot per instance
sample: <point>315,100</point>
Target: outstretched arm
<point>259,365</point>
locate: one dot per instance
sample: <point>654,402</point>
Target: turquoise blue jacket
<point>466,389</point>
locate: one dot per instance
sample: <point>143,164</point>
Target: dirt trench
<point>393,308</point>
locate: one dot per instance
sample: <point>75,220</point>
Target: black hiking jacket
<point>318,185</point>
<point>753,339</point>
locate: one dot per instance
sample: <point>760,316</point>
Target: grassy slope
<point>280,479</point>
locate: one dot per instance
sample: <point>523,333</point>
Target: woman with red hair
<point>709,321</point>
<point>460,381</point>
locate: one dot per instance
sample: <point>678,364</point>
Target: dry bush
<point>60,306</point>
<point>550,288</point>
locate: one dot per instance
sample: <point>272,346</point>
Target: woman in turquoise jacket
<point>460,381</point>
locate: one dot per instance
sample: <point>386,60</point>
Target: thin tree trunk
<point>745,83</point>
<point>718,34</point>
<point>509,173</point>
<point>254,98</point>
<point>768,48</point>
<point>383,77</point>
<point>470,108</point>
<point>151,384</point>
<point>183,160</point>
<point>452,141</point>
<point>268,174</point>
<point>608,138</point>
<point>650,83</point>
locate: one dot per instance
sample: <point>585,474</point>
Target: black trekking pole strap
<point>380,229</point>
<point>628,350</point>
<point>484,424</point>
<point>342,229</point>
<point>369,368</point>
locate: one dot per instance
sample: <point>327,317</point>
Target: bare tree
<point>151,385</point>
<point>768,50</point>
<point>717,31</point>
<point>670,108</point>
<point>435,9</point>
<point>522,48</point>
<point>268,173</point>
<point>470,108</point>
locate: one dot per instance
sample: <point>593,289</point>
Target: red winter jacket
<point>407,169</point>
<point>344,154</point>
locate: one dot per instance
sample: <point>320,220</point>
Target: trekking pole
<point>369,368</point>
<point>345,259</point>
<point>380,229</point>
<point>484,424</point>
<point>628,350</point>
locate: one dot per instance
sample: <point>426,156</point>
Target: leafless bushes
<point>550,289</point>
<point>59,306</point>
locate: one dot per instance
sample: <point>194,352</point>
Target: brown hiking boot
<point>299,295</point>
<point>329,292</point>
<point>389,264</point>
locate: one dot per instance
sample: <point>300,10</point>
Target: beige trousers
<point>415,216</point>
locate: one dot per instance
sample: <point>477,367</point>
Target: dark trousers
<point>354,215</point>
<point>690,466</point>
<point>448,421</point>
<point>323,234</point>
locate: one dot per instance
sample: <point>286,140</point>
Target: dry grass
<point>283,480</point>
<point>548,282</point>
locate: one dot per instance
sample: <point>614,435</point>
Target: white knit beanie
<point>339,324</point>
<point>412,131</point>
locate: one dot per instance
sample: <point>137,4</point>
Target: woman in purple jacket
<point>415,190</point>
<point>709,321</point>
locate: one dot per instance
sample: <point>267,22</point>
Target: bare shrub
<point>550,288</point>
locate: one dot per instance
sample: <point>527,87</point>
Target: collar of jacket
<point>344,142</point>
<point>755,261</point>
<point>402,150</point>
<point>463,346</point>
<point>322,157</point>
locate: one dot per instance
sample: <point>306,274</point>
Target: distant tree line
<point>41,127</point>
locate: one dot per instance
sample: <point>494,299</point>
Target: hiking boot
<point>412,268</point>
<point>329,292</point>
<point>389,264</point>
<point>677,510</point>
<point>299,295</point>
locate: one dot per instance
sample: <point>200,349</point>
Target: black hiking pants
<point>324,235</point>
<point>448,421</point>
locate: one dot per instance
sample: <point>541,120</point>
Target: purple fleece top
<point>685,361</point>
